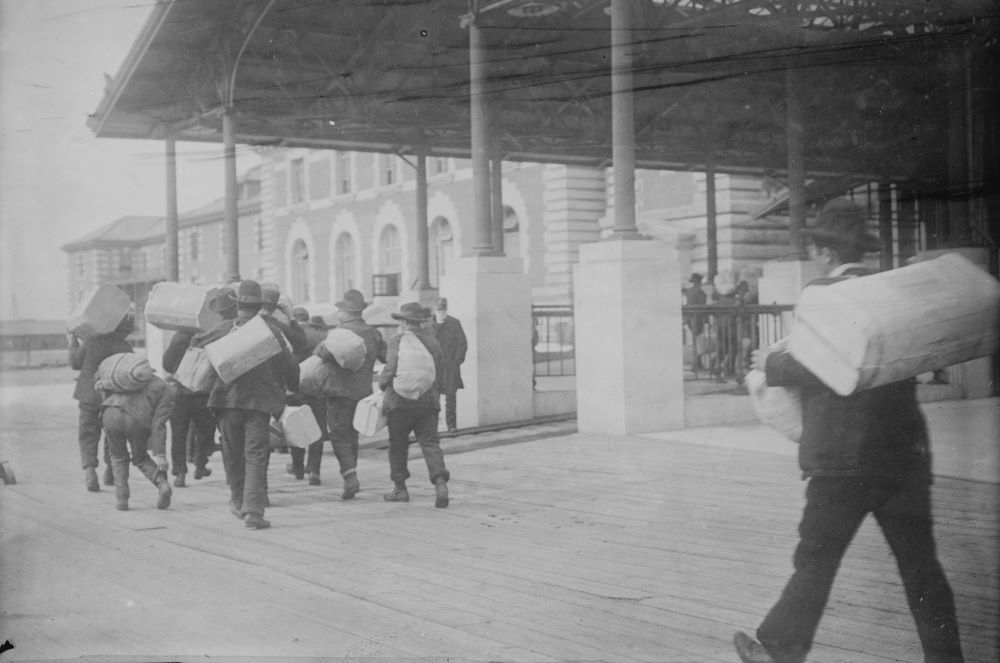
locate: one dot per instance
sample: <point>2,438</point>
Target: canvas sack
<point>347,347</point>
<point>124,372</point>
<point>368,416</point>
<point>297,428</point>
<point>314,376</point>
<point>195,372</point>
<point>778,407</point>
<point>415,372</point>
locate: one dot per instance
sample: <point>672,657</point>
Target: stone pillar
<point>574,201</point>
<point>627,298</point>
<point>491,296</point>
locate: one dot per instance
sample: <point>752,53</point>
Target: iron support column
<point>480,133</point>
<point>172,266</point>
<point>958,171</point>
<point>796,160</point>
<point>231,244</point>
<point>423,261</point>
<point>885,225</point>
<point>711,223</point>
<point>496,191</point>
<point>622,121</point>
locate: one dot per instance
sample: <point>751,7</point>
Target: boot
<point>202,472</point>
<point>163,484</point>
<point>296,472</point>
<point>109,476</point>
<point>236,509</point>
<point>253,521</point>
<point>351,485</point>
<point>314,479</point>
<point>179,481</point>
<point>119,477</point>
<point>90,479</point>
<point>398,494</point>
<point>441,493</point>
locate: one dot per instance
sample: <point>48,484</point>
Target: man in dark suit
<point>451,337</point>
<point>86,357</point>
<point>863,453</point>
<point>244,408</point>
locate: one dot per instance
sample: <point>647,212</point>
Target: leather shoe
<point>751,651</point>
<point>441,494</point>
<point>314,479</point>
<point>398,494</point>
<point>202,472</point>
<point>351,487</point>
<point>90,480</point>
<point>253,521</point>
<point>109,476</point>
<point>179,481</point>
<point>298,473</point>
<point>163,499</point>
<point>236,509</point>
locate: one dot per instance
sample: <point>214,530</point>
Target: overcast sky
<point>57,181</point>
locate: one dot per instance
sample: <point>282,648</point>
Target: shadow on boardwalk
<point>574,547</point>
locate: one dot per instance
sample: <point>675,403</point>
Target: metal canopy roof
<point>710,76</point>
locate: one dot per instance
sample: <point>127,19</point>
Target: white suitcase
<point>195,371</point>
<point>99,312</point>
<point>870,331</point>
<point>243,349</point>
<point>179,307</point>
<point>296,428</point>
<point>368,416</point>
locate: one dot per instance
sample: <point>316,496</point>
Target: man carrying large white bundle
<point>862,453</point>
<point>411,381</point>
<point>349,382</point>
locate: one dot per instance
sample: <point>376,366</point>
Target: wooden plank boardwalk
<point>568,548</point>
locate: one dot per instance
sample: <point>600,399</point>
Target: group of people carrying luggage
<point>120,394</point>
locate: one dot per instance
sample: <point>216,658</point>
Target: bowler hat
<point>413,312</point>
<point>441,304</point>
<point>248,292</point>
<point>353,302</point>
<point>270,293</point>
<point>300,313</point>
<point>842,221</point>
<point>318,322</point>
<point>695,278</point>
<point>223,300</point>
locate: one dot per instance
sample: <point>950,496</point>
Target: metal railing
<point>552,341</point>
<point>718,339</point>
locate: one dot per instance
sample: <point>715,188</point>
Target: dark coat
<point>345,383</point>
<point>877,433</point>
<point>87,357</point>
<point>430,399</point>
<point>295,335</point>
<point>151,407</point>
<point>262,388</point>
<point>451,337</point>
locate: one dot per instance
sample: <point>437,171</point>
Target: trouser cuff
<point>347,473</point>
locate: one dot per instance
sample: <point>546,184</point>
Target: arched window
<point>390,255</point>
<point>440,249</point>
<point>344,265</point>
<point>300,272</point>
<point>511,233</point>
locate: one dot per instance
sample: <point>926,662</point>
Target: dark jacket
<point>150,407</point>
<point>430,399</point>
<point>877,433</point>
<point>87,357</point>
<point>173,355</point>
<point>451,337</point>
<point>262,388</point>
<point>295,335</point>
<point>345,383</point>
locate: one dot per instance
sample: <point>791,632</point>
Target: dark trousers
<point>315,457</point>
<point>247,444</point>
<point>423,422</point>
<point>340,421</point>
<point>124,431</point>
<point>191,411</point>
<point>89,436</point>
<point>450,408</point>
<point>835,508</point>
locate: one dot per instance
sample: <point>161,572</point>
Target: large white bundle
<point>778,407</point>
<point>296,428</point>
<point>195,371</point>
<point>181,307</point>
<point>415,372</point>
<point>124,372</point>
<point>347,347</point>
<point>368,415</point>
<point>100,311</point>
<point>870,331</point>
<point>243,349</point>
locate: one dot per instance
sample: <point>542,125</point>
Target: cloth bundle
<point>124,372</point>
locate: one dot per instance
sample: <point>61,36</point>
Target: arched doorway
<point>301,290</point>
<point>441,249</point>
<point>344,263</point>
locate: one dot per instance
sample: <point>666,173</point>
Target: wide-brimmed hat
<point>413,312</point>
<point>300,313</point>
<point>270,293</point>
<point>695,278</point>
<point>224,300</point>
<point>842,221</point>
<point>248,292</point>
<point>441,304</point>
<point>318,322</point>
<point>353,302</point>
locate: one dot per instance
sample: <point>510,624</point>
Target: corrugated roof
<point>126,230</point>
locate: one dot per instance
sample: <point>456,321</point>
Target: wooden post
<point>172,258</point>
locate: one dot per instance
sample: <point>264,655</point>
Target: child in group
<point>135,408</point>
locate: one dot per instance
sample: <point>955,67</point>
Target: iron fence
<point>718,339</point>
<point>552,341</point>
